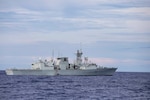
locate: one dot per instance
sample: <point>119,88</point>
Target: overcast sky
<point>113,33</point>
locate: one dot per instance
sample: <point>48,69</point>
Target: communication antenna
<point>80,46</point>
<point>53,54</point>
<point>58,53</point>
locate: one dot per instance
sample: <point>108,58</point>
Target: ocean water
<point>121,86</point>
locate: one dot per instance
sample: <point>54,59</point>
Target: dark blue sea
<point>121,86</point>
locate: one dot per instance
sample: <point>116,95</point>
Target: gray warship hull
<point>80,72</point>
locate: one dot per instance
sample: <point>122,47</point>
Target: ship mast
<point>79,57</point>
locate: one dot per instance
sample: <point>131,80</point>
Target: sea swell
<point>121,86</point>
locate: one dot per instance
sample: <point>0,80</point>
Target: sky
<point>112,33</point>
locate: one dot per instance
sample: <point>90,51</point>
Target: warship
<point>61,66</point>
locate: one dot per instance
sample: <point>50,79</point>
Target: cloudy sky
<point>113,33</point>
